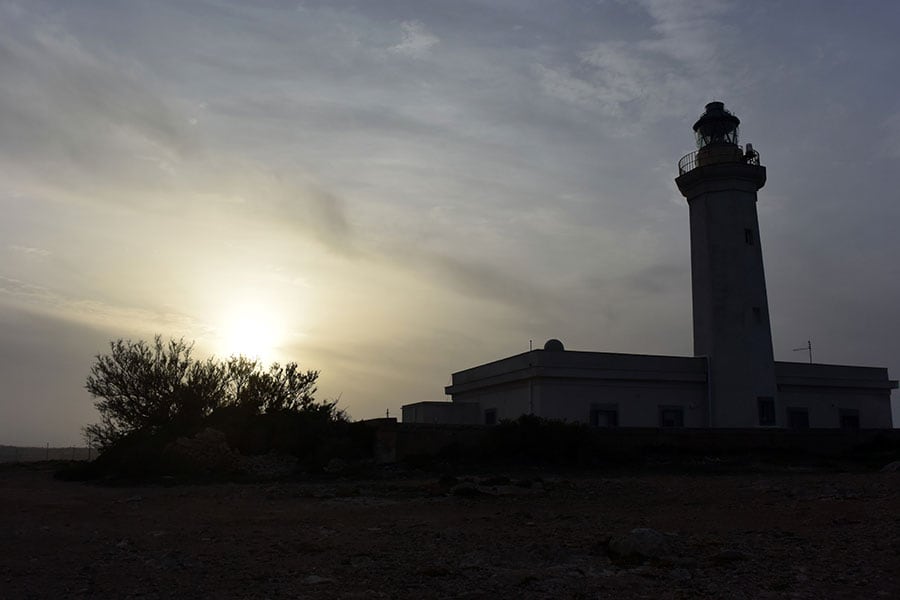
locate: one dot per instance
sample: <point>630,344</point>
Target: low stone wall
<point>22,454</point>
<point>398,441</point>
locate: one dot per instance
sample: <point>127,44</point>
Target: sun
<point>252,330</point>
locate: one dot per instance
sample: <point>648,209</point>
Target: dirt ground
<point>407,534</point>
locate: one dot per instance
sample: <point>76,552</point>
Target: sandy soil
<point>407,535</point>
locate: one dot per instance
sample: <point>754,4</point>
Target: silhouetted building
<point>732,380</point>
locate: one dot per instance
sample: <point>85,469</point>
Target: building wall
<point>567,385</point>
<point>508,401</point>
<point>637,403</point>
<point>450,413</point>
<point>826,390</point>
<point>824,406</point>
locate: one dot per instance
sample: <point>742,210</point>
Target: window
<point>671,416</point>
<point>849,419</point>
<point>798,418</point>
<point>490,416</point>
<point>766,406</point>
<point>757,314</point>
<point>748,237</point>
<point>604,416</point>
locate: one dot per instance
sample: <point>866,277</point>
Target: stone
<point>317,580</point>
<point>893,467</point>
<point>466,489</point>
<point>448,480</point>
<point>496,480</point>
<point>639,545</point>
<point>268,467</point>
<point>206,451</point>
<point>729,555</point>
<point>335,466</point>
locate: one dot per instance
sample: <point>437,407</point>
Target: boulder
<point>207,451</point>
<point>268,467</point>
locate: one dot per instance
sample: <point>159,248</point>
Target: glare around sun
<point>251,331</point>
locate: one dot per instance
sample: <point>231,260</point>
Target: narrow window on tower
<point>748,237</point>
<point>757,314</point>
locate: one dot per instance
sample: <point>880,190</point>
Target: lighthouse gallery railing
<point>710,155</point>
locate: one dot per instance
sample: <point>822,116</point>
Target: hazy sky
<point>392,191</point>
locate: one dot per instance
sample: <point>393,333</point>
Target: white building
<point>731,381</point>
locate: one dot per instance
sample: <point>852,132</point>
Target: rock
<point>335,466</point>
<point>206,451</point>
<point>639,545</point>
<point>643,571</point>
<point>893,467</point>
<point>448,480</point>
<point>268,467</point>
<point>729,555</point>
<point>466,489</point>
<point>317,580</point>
<point>323,493</point>
<point>608,573</point>
<point>496,480</point>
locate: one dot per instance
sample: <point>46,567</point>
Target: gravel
<point>410,535</point>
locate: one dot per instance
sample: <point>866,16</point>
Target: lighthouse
<point>720,181</point>
<point>732,381</point>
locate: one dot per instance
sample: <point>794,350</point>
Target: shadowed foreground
<point>404,534</point>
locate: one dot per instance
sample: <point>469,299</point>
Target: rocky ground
<point>397,533</point>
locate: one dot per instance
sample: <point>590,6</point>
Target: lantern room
<point>716,126</point>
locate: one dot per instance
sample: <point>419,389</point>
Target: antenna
<point>806,348</point>
<point>530,348</point>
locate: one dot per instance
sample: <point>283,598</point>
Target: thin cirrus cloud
<point>417,40</point>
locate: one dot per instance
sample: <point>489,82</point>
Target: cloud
<point>76,102</point>
<point>482,280</point>
<point>687,31</point>
<point>84,126</point>
<point>40,300</point>
<point>891,141</point>
<point>635,81</point>
<point>417,41</point>
<point>29,250</point>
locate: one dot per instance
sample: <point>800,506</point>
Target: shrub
<point>148,388</point>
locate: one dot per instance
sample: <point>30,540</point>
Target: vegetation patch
<point>164,414</point>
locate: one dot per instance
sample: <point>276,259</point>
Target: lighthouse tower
<point>731,311</point>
